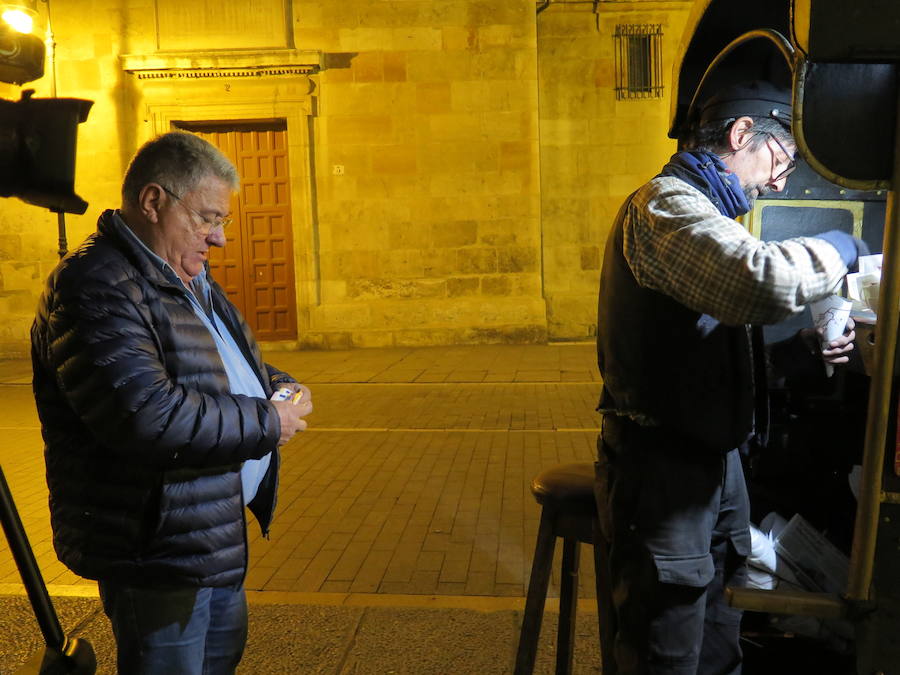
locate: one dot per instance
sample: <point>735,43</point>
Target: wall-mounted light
<point>19,19</point>
<point>21,50</point>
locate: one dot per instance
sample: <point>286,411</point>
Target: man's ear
<point>150,200</point>
<point>740,133</point>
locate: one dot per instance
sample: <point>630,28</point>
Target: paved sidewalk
<point>412,481</point>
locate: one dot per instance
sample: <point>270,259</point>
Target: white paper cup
<point>830,315</point>
<point>871,289</point>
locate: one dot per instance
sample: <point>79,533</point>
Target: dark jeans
<point>190,631</point>
<point>677,521</point>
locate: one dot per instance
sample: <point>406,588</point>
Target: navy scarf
<point>706,172</point>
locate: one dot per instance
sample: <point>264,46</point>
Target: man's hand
<point>837,351</point>
<point>292,414</point>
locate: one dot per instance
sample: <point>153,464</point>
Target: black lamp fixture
<point>21,50</point>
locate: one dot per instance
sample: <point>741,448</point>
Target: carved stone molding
<point>232,64</point>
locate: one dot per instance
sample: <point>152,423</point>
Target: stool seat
<point>569,486</point>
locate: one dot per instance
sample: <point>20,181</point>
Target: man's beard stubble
<point>755,191</point>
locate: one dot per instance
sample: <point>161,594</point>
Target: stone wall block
<point>459,38</point>
<point>517,155</point>
<point>360,233</point>
<point>359,128</point>
<point>395,67</point>
<point>439,263</point>
<point>454,234</point>
<point>562,23</point>
<point>499,232</point>
<point>11,246</point>
<point>426,338</point>
<point>338,14</point>
<point>351,264</point>
<point>470,95</point>
<point>459,185</point>
<point>448,157</point>
<point>392,313</point>
<point>403,264</point>
<point>533,334</point>
<point>339,340</point>
<point>442,66</point>
<point>362,39</point>
<point>433,98</point>
<point>476,260</point>
<point>350,315</point>
<point>563,132</point>
<point>488,12</point>
<point>495,35</point>
<point>368,66</point>
<point>388,14</point>
<point>394,159</point>
<point>459,127</point>
<point>390,289</point>
<point>372,339</point>
<point>17,303</point>
<point>312,340</point>
<point>526,284</point>
<point>605,73</point>
<point>20,276</point>
<point>517,259</point>
<point>496,285</point>
<point>458,287</point>
<point>333,290</point>
<point>590,257</point>
<point>337,66</point>
<point>508,126</point>
<point>414,235</point>
<point>417,38</point>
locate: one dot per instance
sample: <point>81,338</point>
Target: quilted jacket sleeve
<point>109,361</point>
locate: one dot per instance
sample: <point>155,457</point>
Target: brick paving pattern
<point>412,479</point>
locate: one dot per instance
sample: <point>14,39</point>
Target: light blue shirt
<point>242,378</point>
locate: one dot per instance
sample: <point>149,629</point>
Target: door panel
<point>256,267</point>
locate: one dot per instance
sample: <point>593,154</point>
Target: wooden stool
<point>569,511</point>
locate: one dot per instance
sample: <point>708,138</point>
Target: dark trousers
<point>676,517</point>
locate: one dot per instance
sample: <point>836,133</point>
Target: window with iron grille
<point>638,51</point>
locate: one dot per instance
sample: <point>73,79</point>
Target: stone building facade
<point>414,172</point>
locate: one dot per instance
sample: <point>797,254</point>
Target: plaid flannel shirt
<point>678,243</point>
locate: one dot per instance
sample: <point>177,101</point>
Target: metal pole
<point>61,227</point>
<point>28,569</point>
<point>865,532</point>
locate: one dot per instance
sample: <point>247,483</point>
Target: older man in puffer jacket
<point>155,411</point>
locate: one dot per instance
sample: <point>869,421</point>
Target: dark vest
<point>674,367</point>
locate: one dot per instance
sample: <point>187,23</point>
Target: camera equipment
<point>37,150</point>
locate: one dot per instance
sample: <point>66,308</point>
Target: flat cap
<point>756,99</point>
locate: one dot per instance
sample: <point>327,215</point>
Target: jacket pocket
<point>694,571</point>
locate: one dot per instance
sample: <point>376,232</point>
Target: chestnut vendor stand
<point>842,62</point>
<point>60,654</point>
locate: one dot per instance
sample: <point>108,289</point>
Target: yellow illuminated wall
<point>454,164</point>
<point>595,149</point>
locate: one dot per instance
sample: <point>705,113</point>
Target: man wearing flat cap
<point>684,292</point>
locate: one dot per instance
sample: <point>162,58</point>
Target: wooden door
<point>256,266</point>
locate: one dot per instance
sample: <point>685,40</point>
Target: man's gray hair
<point>713,136</point>
<point>178,161</point>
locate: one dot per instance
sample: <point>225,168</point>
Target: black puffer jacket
<point>143,441</point>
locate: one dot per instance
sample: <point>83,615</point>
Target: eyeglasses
<point>791,165</point>
<point>210,224</point>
